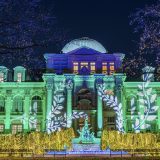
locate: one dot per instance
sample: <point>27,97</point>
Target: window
<point>92,66</point>
<point>111,67</point>
<point>16,128</point>
<point>84,97</point>
<point>84,104</point>
<point>1,128</point>
<point>75,67</point>
<point>36,104</point>
<point>19,77</point>
<point>84,64</point>
<point>104,67</point>
<point>1,77</point>
<point>108,122</point>
<point>110,119</point>
<point>17,104</point>
<point>2,104</point>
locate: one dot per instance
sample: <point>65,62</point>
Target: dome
<point>84,42</point>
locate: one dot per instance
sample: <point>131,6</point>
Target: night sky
<point>106,21</point>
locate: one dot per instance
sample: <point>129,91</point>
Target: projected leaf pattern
<point>112,102</point>
<point>57,118</point>
<point>146,101</point>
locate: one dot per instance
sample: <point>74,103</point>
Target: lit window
<point>1,77</point>
<point>104,67</point>
<point>16,128</point>
<point>1,128</point>
<point>19,77</point>
<point>111,66</point>
<point>92,65</point>
<point>75,67</point>
<point>84,64</point>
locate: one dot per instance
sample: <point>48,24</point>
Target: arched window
<point>17,104</point>
<point>36,104</point>
<point>84,99</point>
<point>2,104</point>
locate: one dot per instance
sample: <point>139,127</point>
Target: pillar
<point>125,113</point>
<point>69,88</point>
<point>93,121</point>
<point>49,79</point>
<point>99,114</point>
<point>69,105</point>
<point>119,79</point>
<point>158,113</point>
<point>27,105</point>
<point>141,117</point>
<point>49,100</point>
<point>8,109</point>
<point>43,114</point>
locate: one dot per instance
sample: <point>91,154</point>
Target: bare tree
<point>27,27</point>
<point>146,24</point>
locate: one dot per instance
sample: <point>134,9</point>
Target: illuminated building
<point>87,64</point>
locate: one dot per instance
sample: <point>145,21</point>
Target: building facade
<point>87,64</point>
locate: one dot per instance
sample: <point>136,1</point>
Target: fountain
<point>86,144</point>
<point>86,140</point>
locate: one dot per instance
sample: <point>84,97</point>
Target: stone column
<point>141,110</point>
<point>8,108</point>
<point>99,114</point>
<point>27,105</point>
<point>119,79</point>
<point>93,122</point>
<point>69,103</point>
<point>49,79</point>
<point>125,113</point>
<point>44,114</point>
<point>158,113</point>
<point>49,99</point>
<point>69,88</point>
